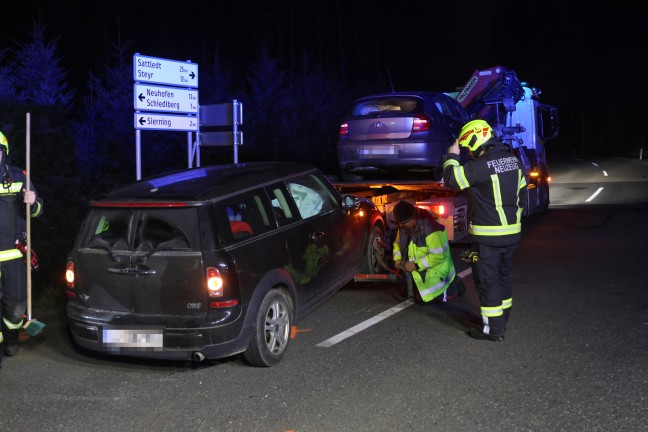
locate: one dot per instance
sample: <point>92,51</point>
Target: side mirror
<point>548,122</point>
<point>349,202</point>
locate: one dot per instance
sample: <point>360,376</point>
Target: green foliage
<point>39,77</point>
<point>38,86</point>
<point>103,133</point>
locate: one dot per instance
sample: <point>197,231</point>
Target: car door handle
<point>131,271</point>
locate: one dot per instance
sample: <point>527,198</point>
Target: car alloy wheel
<point>271,332</point>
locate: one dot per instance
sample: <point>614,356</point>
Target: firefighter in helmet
<point>13,285</point>
<point>497,187</point>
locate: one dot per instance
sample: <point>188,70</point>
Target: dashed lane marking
<point>594,195</point>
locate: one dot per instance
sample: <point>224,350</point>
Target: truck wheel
<point>543,197</point>
<point>374,253</point>
<point>271,331</point>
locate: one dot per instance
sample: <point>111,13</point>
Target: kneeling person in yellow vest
<point>422,249</point>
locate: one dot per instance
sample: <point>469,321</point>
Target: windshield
<point>403,105</point>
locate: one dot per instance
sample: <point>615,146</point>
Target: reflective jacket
<point>497,189</point>
<point>428,247</point>
<point>12,212</point>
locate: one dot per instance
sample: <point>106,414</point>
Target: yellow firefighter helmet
<point>4,142</point>
<point>474,134</point>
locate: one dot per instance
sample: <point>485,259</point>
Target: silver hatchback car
<point>401,132</point>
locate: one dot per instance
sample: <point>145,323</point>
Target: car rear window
<point>126,229</point>
<point>403,105</point>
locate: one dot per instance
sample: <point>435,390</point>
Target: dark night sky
<point>585,55</point>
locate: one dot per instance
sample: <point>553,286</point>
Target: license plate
<point>140,338</point>
<point>377,151</point>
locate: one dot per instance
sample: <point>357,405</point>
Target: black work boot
<point>11,343</point>
<point>11,350</point>
<point>478,334</point>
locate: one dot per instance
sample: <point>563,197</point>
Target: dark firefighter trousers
<point>492,276</point>
<point>13,300</point>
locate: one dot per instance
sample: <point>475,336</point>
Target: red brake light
<point>421,123</point>
<point>344,129</point>
<point>214,282</point>
<point>69,274</point>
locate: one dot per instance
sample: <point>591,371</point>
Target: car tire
<point>543,197</point>
<point>271,331</point>
<point>374,252</point>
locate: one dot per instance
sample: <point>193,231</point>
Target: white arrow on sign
<point>168,99</point>
<point>164,71</point>
<point>151,121</point>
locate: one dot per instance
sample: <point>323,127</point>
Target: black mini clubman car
<point>215,261</point>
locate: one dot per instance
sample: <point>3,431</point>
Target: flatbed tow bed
<point>450,207</point>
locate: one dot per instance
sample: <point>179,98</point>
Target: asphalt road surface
<point>575,357</point>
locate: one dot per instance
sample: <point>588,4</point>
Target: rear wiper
<point>102,244</point>
<point>167,245</point>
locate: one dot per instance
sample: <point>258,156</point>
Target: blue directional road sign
<point>164,71</point>
<point>167,99</point>
<point>150,121</point>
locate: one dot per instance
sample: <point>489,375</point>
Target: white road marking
<point>594,163</point>
<point>605,173</point>
<point>375,320</point>
<point>594,195</point>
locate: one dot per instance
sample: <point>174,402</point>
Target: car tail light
<point>421,123</point>
<point>215,288</point>
<point>69,279</point>
<point>344,129</point>
<point>214,282</point>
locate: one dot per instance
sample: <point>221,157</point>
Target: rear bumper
<point>415,154</point>
<point>213,340</point>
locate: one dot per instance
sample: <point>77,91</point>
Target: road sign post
<point>164,90</point>
<point>227,114</point>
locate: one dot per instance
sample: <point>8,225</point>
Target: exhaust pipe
<point>198,356</point>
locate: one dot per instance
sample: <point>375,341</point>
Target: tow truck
<point>518,118</point>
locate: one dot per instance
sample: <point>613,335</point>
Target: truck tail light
<point>438,209</point>
<point>344,129</point>
<point>69,279</point>
<point>214,282</point>
<point>421,123</point>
